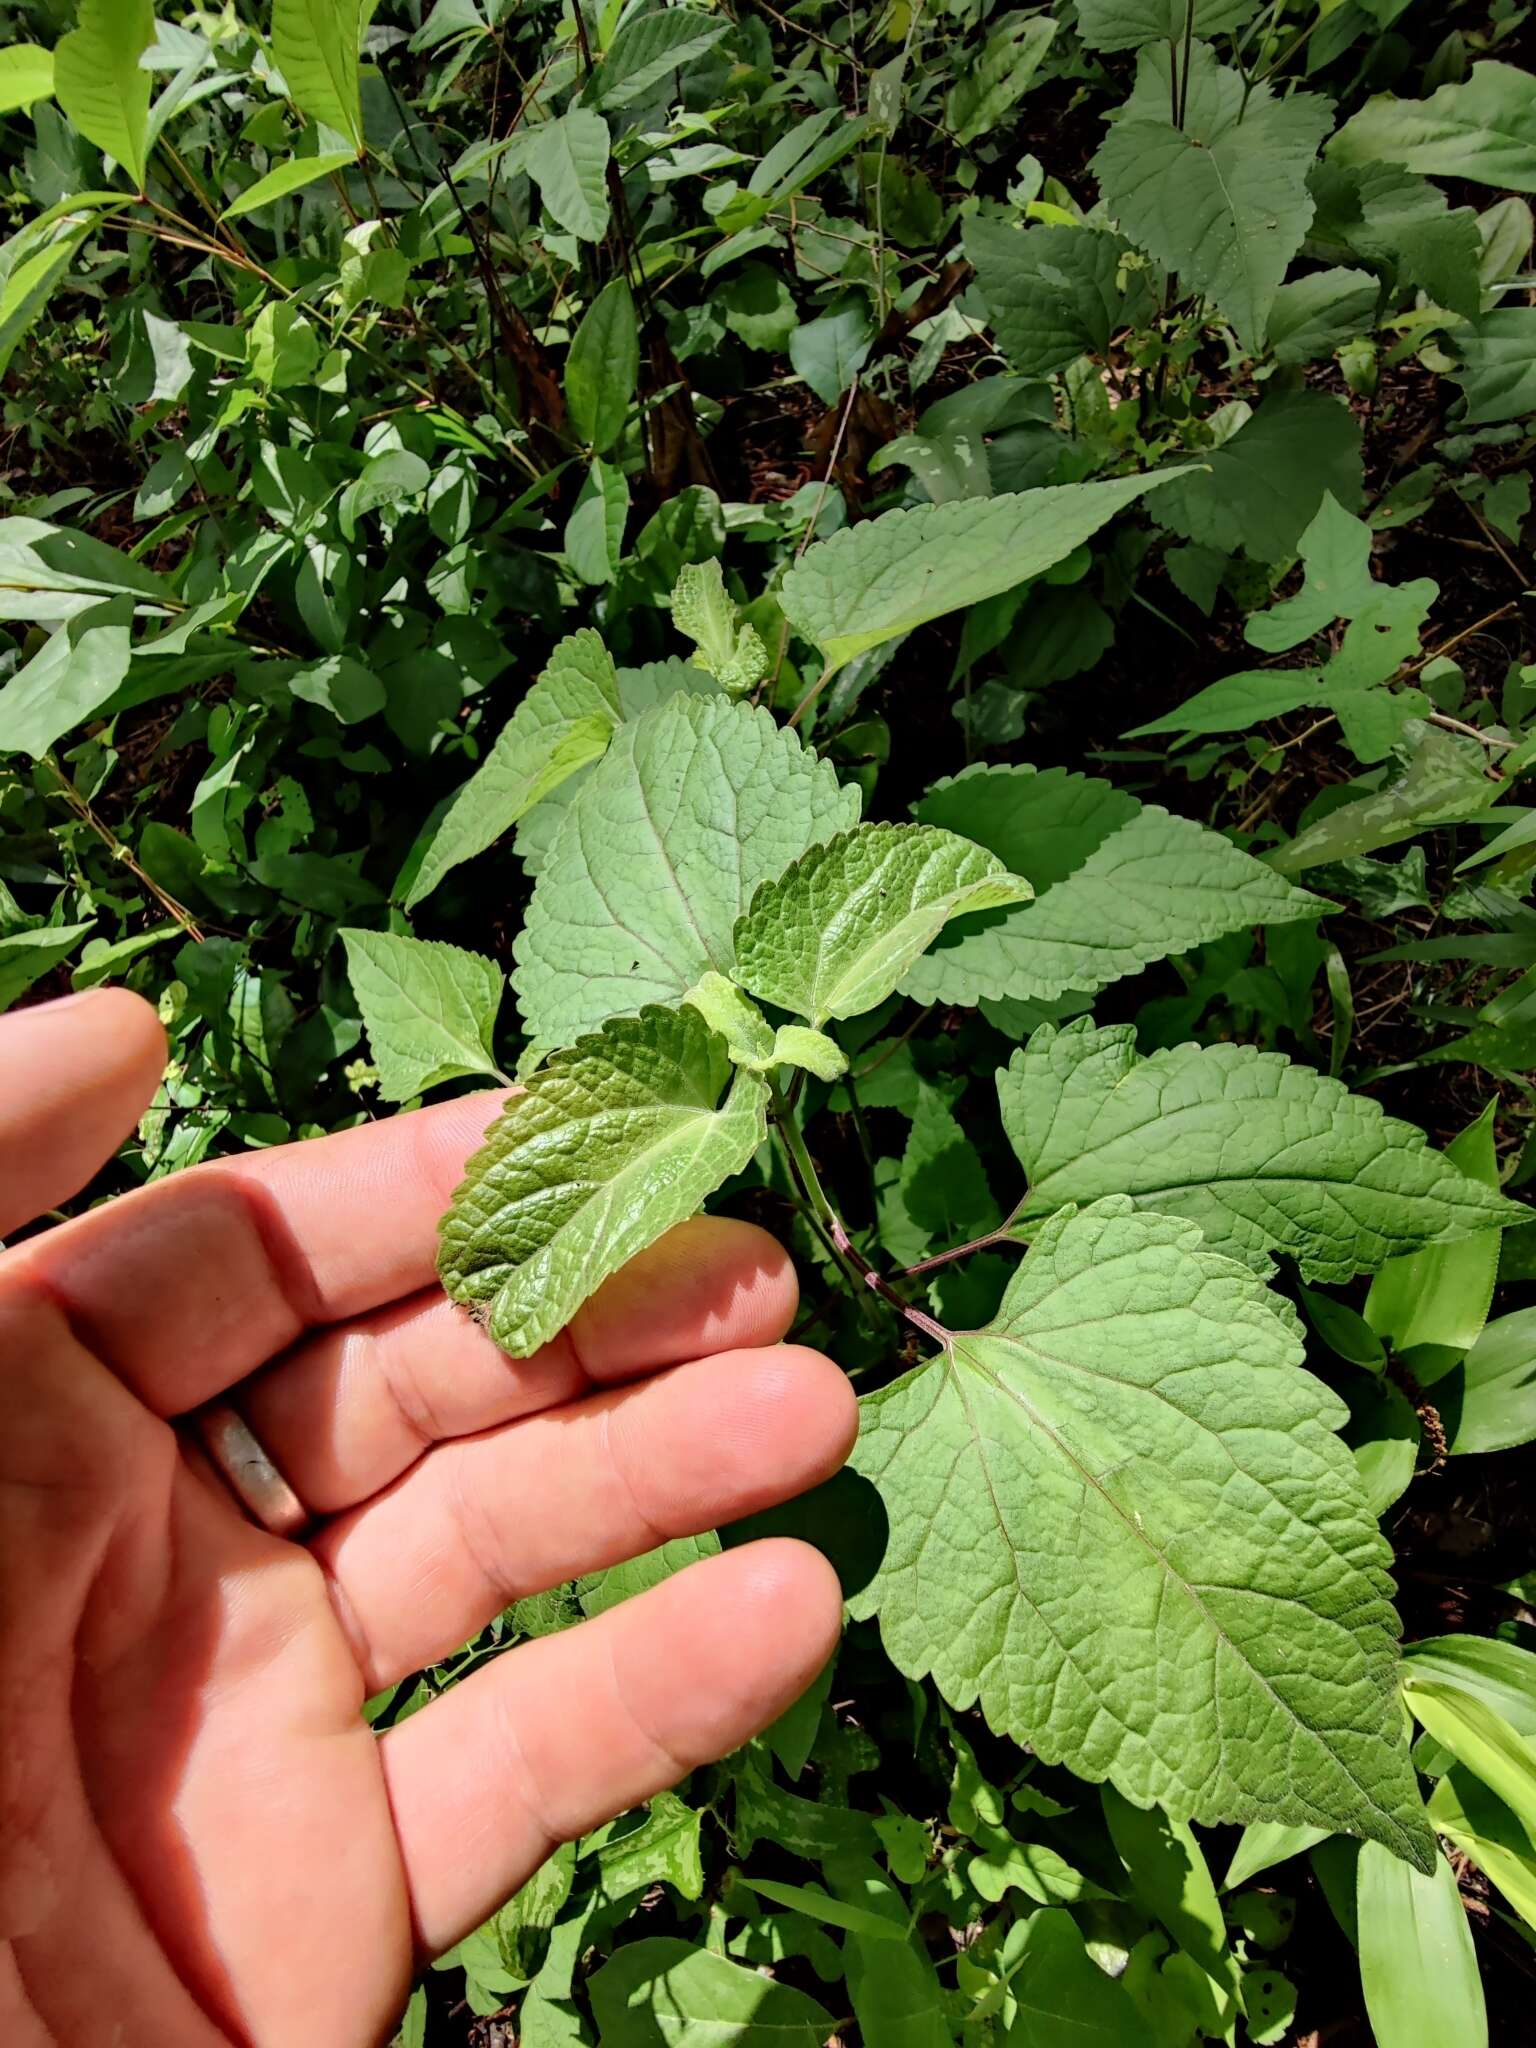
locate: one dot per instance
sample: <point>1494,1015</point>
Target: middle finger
<point>349,1409</point>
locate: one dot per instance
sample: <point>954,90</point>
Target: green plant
<point>940,589</point>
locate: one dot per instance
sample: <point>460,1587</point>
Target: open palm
<point>200,1838</point>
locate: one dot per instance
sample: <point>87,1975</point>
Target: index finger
<point>187,1285</point>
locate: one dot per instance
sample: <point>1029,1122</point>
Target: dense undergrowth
<point>851,551</point>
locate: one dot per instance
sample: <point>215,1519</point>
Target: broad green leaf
<point>603,367</point>
<point>1127,24</point>
<point>1121,1521</point>
<point>429,1010</point>
<point>647,48</point>
<point>568,161</point>
<point>897,1999</point>
<point>704,612</point>
<point>1261,489</point>
<point>1060,1994</point>
<point>1443,783</point>
<point>1263,1155</point>
<point>391,477</point>
<point>827,352</point>
<point>795,1046</point>
<point>1418,1967</point>
<point>834,934</point>
<point>1336,554</point>
<point>660,1992</point>
<point>99,84</point>
<point>566,720</point>
<point>1157,885</point>
<point>1171,1881</point>
<point>659,853</point>
<point>1400,224</point>
<point>1442,1293</point>
<point>1054,293</point>
<point>1043,824</point>
<point>664,1848</point>
<point>288,177</point>
<point>71,677</point>
<point>1318,313</point>
<point>1495,1405</point>
<point>594,533</point>
<point>1483,129</point>
<point>1222,201</point>
<point>26,74</point>
<point>316,43</point>
<point>1480,1738</point>
<point>611,1144</point>
<point>999,76</point>
<point>621,1582</point>
<point>887,575</point>
<point>25,957</point>
<point>1498,364</point>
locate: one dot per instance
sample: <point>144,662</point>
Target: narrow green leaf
<point>566,720</point>
<point>1266,1843</point>
<point>594,533</point>
<point>1479,1824</point>
<point>25,957</point>
<point>659,853</point>
<point>897,1999</point>
<point>1495,1404</point>
<point>603,367</point>
<point>1443,783</point>
<point>1170,1880</point>
<point>316,45</point>
<point>99,84</point>
<point>1263,1155</point>
<point>834,934</point>
<point>26,74</point>
<point>1442,1294</point>
<point>429,1009</point>
<point>1479,1737</point>
<point>287,177</point>
<point>816,1905</point>
<point>611,1144</point>
<point>1418,1967</point>
<point>1171,1579</point>
<point>887,575</point>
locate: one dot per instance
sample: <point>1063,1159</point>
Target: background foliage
<point>357,356</point>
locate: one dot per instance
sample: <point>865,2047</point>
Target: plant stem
<point>1002,1235</point>
<point>861,1271</point>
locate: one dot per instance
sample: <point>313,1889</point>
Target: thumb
<point>74,1078</point>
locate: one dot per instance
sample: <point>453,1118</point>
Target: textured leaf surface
<point>98,81</point>
<point>834,935</point>
<point>1157,885</point>
<point>1262,489</point>
<point>316,43</point>
<point>1263,1155</point>
<point>873,581</point>
<point>659,853</point>
<point>566,720</point>
<point>1120,1519</point>
<point>429,1009</point>
<point>1483,128</point>
<point>611,1144</point>
<point>1053,292</point>
<point>1223,200</point>
<point>664,1993</point>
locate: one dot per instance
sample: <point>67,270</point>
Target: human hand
<point>200,1838</point>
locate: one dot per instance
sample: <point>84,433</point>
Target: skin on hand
<point>200,1839</point>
